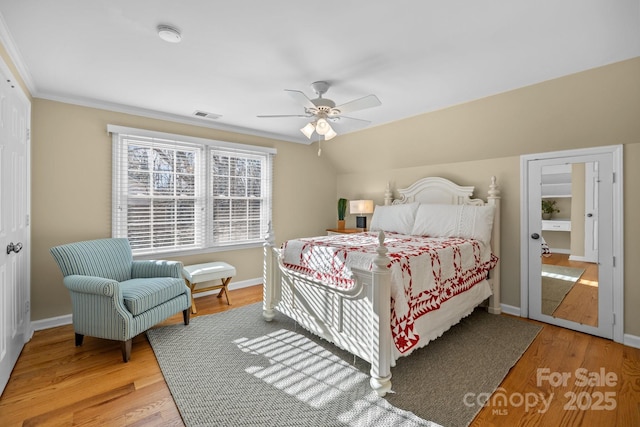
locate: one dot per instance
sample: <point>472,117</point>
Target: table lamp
<point>361,208</point>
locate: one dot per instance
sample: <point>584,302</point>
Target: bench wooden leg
<point>224,289</point>
<point>192,286</point>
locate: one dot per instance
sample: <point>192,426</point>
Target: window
<point>180,194</point>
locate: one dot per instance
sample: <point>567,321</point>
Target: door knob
<point>535,236</point>
<point>589,215</point>
<point>14,248</point>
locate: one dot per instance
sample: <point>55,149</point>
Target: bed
<point>431,256</point>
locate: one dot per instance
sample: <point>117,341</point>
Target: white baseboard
<point>628,340</point>
<point>52,322</point>
<point>631,340</point>
<point>66,319</point>
<point>510,309</point>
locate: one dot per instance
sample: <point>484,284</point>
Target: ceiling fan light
<point>322,127</point>
<point>329,135</point>
<point>308,130</point>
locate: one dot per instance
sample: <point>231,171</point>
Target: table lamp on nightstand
<point>361,208</point>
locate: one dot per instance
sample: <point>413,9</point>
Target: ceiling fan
<point>323,110</point>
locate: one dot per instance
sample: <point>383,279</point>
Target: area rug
<point>557,281</point>
<point>235,369</point>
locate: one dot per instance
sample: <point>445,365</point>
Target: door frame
<point>618,227</point>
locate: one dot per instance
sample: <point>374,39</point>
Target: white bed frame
<point>358,320</point>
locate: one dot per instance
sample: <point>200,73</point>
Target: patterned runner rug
<point>235,369</point>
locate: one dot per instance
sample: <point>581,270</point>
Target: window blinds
<point>173,195</point>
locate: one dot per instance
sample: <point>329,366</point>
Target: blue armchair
<point>114,297</point>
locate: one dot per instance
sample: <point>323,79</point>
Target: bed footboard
<point>356,320</point>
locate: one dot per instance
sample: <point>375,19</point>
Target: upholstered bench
<point>199,273</point>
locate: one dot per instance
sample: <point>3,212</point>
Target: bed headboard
<point>442,191</point>
<point>437,190</point>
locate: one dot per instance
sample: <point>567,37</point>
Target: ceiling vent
<point>206,115</point>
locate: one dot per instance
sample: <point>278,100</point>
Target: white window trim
<point>162,135</point>
<point>115,129</point>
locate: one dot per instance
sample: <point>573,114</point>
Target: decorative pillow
<point>466,221</point>
<point>395,218</point>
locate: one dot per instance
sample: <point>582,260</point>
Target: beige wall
<point>71,191</point>
<point>469,142</point>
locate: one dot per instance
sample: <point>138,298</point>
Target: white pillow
<point>465,221</point>
<point>395,218</point>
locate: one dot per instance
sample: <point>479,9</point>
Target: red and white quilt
<point>425,271</point>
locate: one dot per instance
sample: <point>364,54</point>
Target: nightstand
<point>331,231</point>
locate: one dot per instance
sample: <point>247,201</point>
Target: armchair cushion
<point>141,295</point>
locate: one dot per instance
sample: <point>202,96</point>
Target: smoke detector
<point>169,34</point>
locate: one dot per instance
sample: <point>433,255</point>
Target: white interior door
<point>605,204</point>
<point>14,223</point>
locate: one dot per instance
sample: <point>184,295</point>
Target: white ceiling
<point>237,57</point>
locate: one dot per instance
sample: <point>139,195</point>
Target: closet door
<point>14,224</point>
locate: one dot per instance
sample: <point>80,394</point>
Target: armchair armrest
<point>156,268</point>
<point>92,285</point>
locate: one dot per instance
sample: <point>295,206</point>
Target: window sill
<point>183,253</point>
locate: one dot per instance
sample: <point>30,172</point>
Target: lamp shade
<point>330,134</point>
<point>322,127</point>
<point>361,206</point>
<point>308,130</point>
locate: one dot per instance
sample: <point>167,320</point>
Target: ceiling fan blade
<point>306,116</point>
<point>300,98</point>
<point>359,104</point>
<point>338,118</point>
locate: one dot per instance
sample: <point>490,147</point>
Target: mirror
<point>570,245</point>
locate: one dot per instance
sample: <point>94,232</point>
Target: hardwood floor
<point>57,384</point>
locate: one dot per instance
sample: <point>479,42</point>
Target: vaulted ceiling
<point>236,58</point>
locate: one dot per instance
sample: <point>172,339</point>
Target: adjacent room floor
<point>581,302</point>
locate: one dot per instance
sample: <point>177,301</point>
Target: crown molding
<point>154,114</point>
<point>14,54</point>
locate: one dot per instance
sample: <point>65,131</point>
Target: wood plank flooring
<point>57,384</point>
